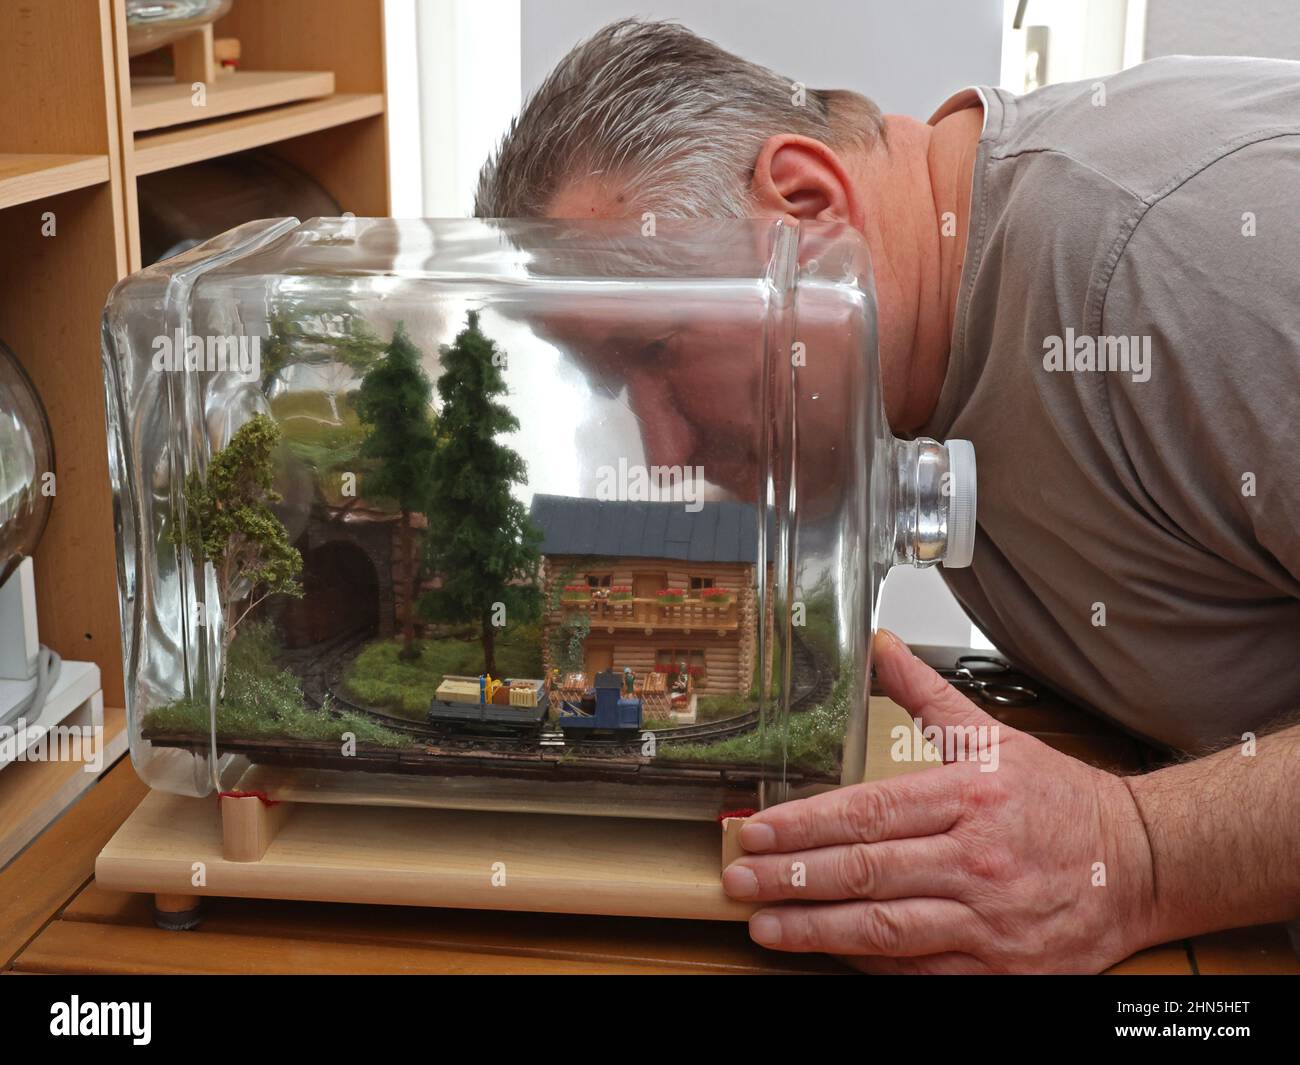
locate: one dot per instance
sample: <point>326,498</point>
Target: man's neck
<point>919,192</point>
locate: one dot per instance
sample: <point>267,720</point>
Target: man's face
<point>689,360</point>
<point>688,369</point>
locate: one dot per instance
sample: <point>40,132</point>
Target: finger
<point>953,963</point>
<point>899,928</point>
<point>895,869</point>
<point>918,689</point>
<point>915,804</point>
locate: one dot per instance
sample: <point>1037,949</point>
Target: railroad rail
<point>324,663</point>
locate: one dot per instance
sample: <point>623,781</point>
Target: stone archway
<point>341,596</point>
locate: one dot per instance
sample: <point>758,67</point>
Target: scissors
<point>968,678</point>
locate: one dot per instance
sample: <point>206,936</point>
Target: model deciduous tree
<point>393,405</point>
<point>229,523</point>
<point>480,539</point>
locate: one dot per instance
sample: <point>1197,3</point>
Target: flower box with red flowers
<point>719,597</point>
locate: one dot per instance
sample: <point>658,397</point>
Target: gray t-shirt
<point>1139,526</point>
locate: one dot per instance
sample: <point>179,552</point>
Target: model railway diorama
<point>452,544</point>
<point>634,626</point>
<point>362,575</point>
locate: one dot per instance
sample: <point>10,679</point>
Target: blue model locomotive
<point>611,711</point>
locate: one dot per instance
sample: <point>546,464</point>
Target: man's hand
<point>1041,865</point>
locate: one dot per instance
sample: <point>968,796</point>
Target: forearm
<point>1224,834</point>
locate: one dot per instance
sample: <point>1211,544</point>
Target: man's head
<point>646,116</point>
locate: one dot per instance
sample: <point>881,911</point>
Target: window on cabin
<point>597,581</point>
<point>669,660</point>
<point>700,583</point>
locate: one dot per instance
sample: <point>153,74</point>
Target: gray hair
<point>675,120</point>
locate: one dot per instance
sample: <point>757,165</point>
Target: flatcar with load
<point>485,701</point>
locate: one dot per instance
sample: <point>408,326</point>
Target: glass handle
<point>934,503</point>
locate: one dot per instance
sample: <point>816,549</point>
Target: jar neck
<point>931,490</point>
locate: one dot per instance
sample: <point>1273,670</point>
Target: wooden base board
<point>414,857</point>
<point>469,859</point>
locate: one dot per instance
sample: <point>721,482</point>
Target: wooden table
<point>54,919</point>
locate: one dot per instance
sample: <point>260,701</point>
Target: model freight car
<point>469,701</point>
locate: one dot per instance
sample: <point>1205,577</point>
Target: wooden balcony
<point>651,616</point>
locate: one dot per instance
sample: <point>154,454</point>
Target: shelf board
<point>24,178</point>
<point>34,794</point>
<point>159,102</point>
<point>161,151</point>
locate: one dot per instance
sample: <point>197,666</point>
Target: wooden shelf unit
<point>25,177</point>
<point>160,102</point>
<point>63,232</point>
<point>177,147</point>
<point>70,153</point>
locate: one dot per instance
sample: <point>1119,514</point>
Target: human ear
<point>802,179</point>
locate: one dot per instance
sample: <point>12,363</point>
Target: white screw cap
<point>961,504</point>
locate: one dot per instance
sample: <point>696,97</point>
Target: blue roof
<point>717,532</point>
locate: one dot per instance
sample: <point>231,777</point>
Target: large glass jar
<point>587,517</point>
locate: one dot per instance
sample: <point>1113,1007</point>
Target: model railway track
<point>389,721</point>
<point>455,739</point>
<point>709,730</point>
<point>325,662</point>
<point>318,666</point>
<point>816,677</point>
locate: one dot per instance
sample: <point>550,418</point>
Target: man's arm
<point>1224,832</point>
<point>1044,864</point>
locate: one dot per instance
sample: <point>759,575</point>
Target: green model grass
<point>812,742</point>
<point>262,701</point>
<point>380,677</point>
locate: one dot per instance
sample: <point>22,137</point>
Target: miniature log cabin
<point>660,585</point>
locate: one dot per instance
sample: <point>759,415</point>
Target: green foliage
<point>714,707</point>
<point>480,538</point>
<point>301,333</point>
<point>813,741</point>
<point>381,677</point>
<point>573,642</point>
<point>230,524</point>
<point>820,629</point>
<point>393,405</point>
<point>262,701</point>
<point>319,427</point>
<point>255,650</point>
<point>313,434</point>
<point>568,640</point>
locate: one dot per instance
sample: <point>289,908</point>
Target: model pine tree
<point>229,523</point>
<point>480,539</point>
<point>393,405</point>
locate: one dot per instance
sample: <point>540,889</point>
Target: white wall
<point>907,56</point>
<point>1223,27</point>
<point>405,167</point>
<point>468,90</point>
